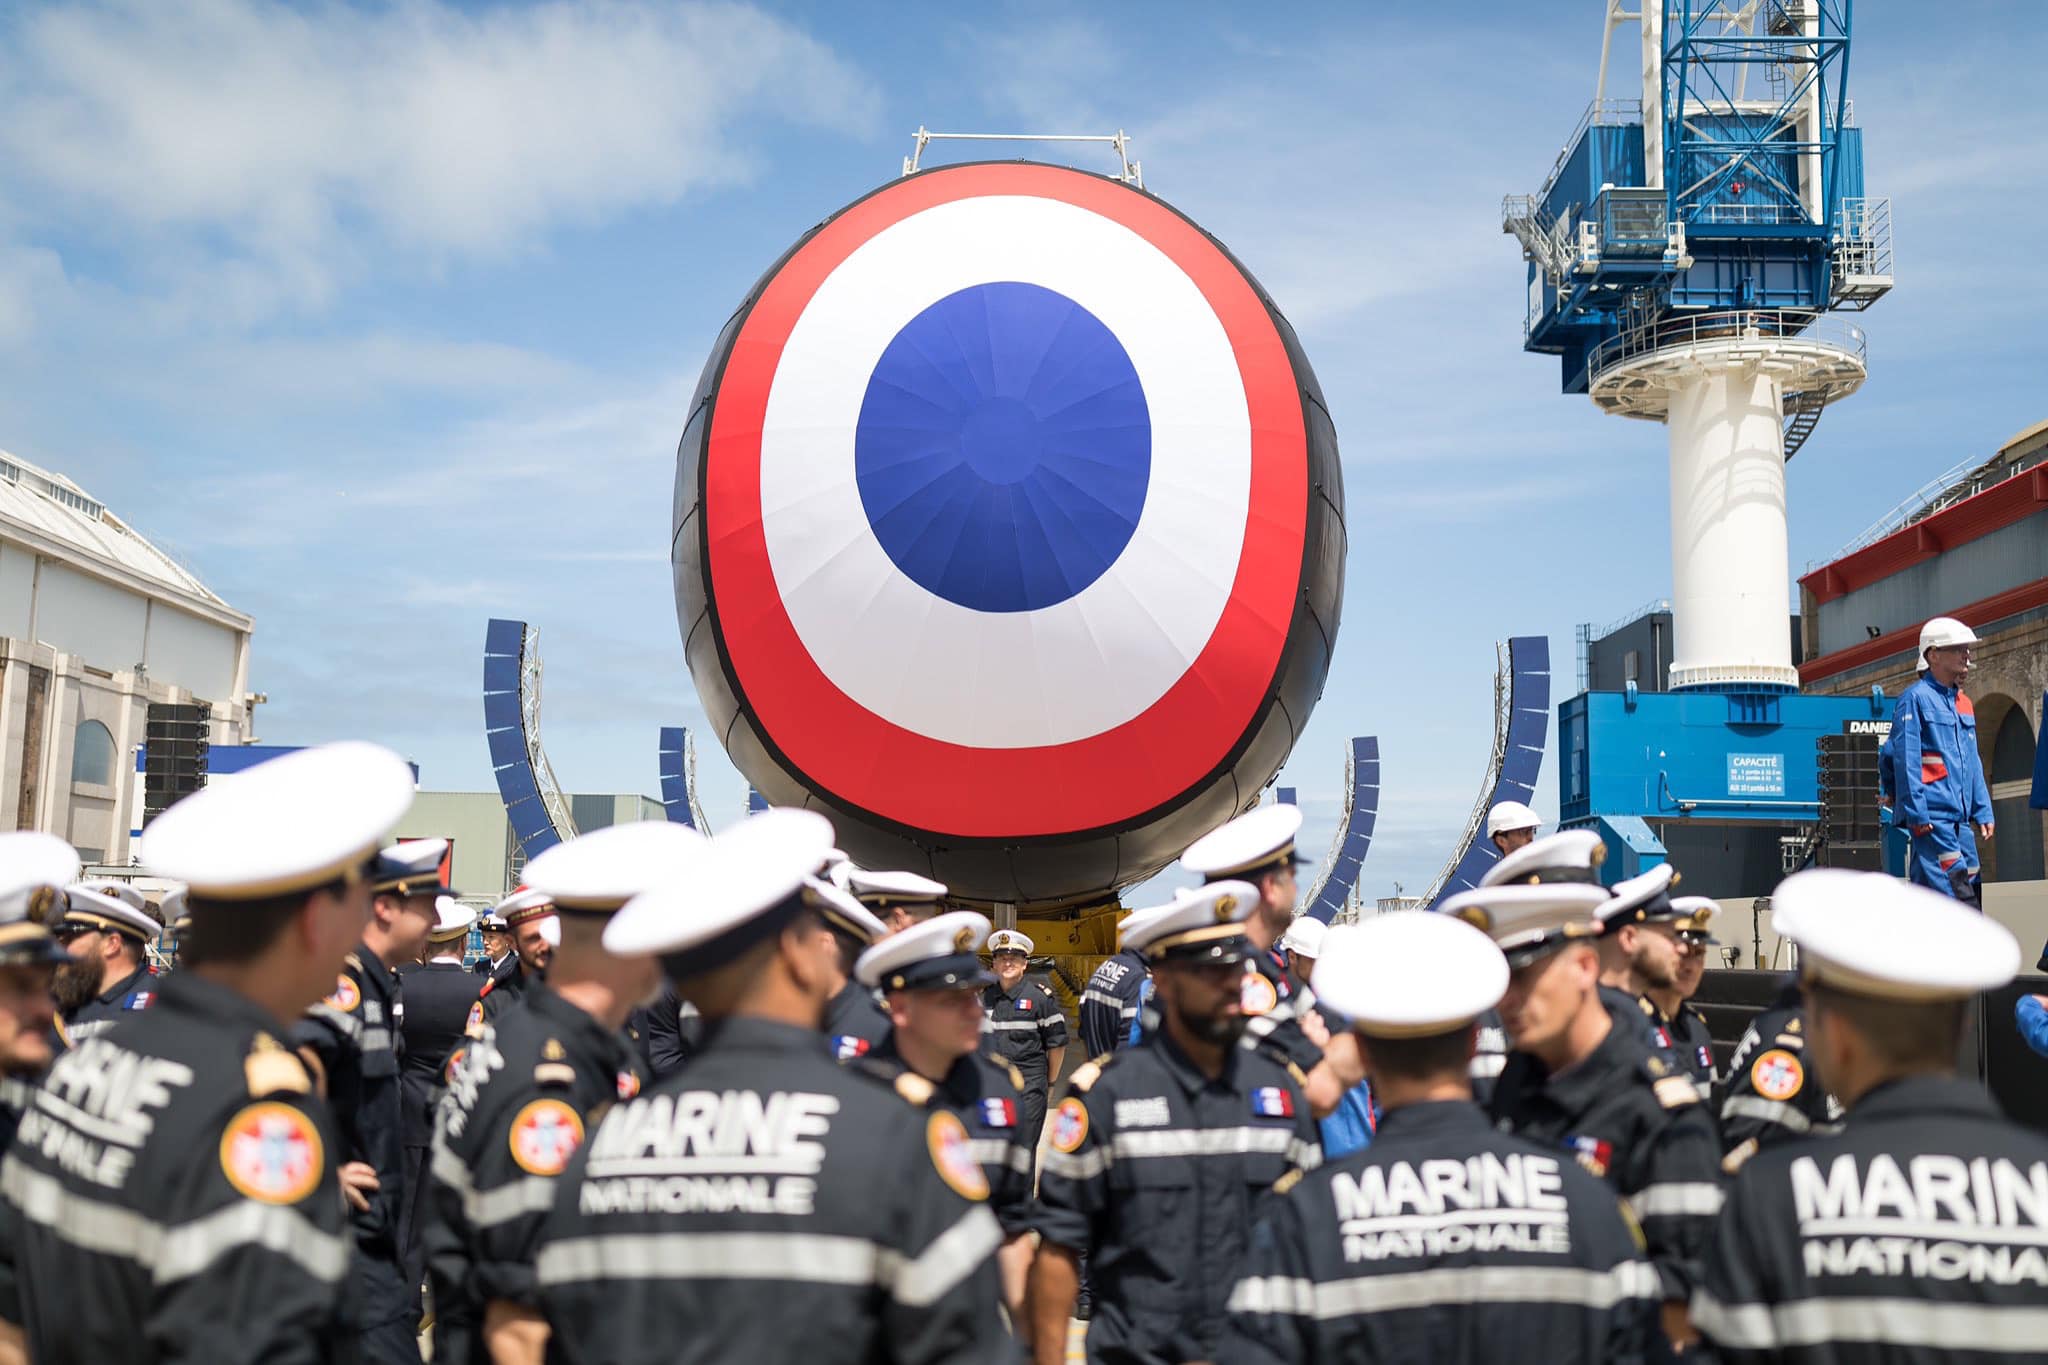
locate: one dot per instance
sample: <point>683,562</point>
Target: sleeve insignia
<point>474,1025</point>
<point>1016,1076</point>
<point>1791,1040</point>
<point>1643,1001</point>
<point>953,1156</point>
<point>1289,1181</point>
<point>1777,1075</point>
<point>347,994</point>
<point>554,1073</point>
<point>545,1134</point>
<point>914,1088</point>
<point>1069,1125</point>
<point>272,1153</point>
<point>1675,1092</point>
<point>1259,996</point>
<point>273,1071</point>
<point>553,1051</point>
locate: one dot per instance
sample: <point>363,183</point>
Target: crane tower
<point>1689,258</point>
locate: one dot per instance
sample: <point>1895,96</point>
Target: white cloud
<point>298,135</point>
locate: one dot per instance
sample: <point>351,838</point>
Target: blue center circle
<point>1004,448</point>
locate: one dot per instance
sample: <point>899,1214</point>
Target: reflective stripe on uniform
<point>1092,996</point>
<point>501,1203</point>
<point>1007,1025</point>
<point>1596,1289</point>
<point>1771,1111</point>
<point>1487,1065</point>
<point>999,1152</point>
<point>1077,1166</point>
<point>82,1029</point>
<point>341,1021</point>
<point>1669,1201</point>
<point>376,1040</point>
<point>173,1253</point>
<point>791,1257</point>
<point>1947,1327</point>
<point>1175,1142</point>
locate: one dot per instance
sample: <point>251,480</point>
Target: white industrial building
<point>96,624</point>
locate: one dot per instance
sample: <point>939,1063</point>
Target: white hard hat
<point>1305,936</point>
<point>1942,632</point>
<point>1509,815</point>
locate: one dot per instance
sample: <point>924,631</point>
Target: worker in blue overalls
<point>1937,776</point>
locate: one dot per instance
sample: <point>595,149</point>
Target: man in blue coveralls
<point>1937,776</point>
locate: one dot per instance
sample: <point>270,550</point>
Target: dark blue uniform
<point>1022,1027</point>
<point>1445,1242</point>
<point>988,1097</point>
<point>1917,1234</point>
<point>854,1022</point>
<point>132,992</point>
<point>353,1033</point>
<point>1109,1006</point>
<point>1156,1173</point>
<point>438,996</point>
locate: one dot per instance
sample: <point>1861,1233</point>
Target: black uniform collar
<point>1433,1118</point>
<point>373,968</point>
<point>121,989</point>
<point>546,1002</point>
<point>1578,1086</point>
<point>1917,1095</point>
<point>190,993</point>
<point>1189,1075</point>
<point>996,992</point>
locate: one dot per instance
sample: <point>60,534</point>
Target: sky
<point>383,318</point>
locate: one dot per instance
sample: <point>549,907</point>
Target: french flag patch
<point>846,1047</point>
<point>1024,1003</point>
<point>1272,1102</point>
<point>998,1113</point>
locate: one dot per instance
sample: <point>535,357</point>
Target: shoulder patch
<point>1016,1076</point>
<point>1655,1066</point>
<point>474,1025</point>
<point>1258,995</point>
<point>554,1073</point>
<point>1791,1040</point>
<point>1087,1074</point>
<point>355,963</point>
<point>273,1071</point>
<point>914,1088</point>
<point>545,1134</point>
<point>952,1155</point>
<point>1069,1124</point>
<point>347,994</point>
<point>1288,1181</point>
<point>1675,1092</point>
<point>1777,1075</point>
<point>1298,1076</point>
<point>272,1153</point>
<point>1643,1003</point>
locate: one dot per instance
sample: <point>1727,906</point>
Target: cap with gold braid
<point>1693,915</point>
<point>412,868</point>
<point>940,954</point>
<point>841,910</point>
<point>1640,899</point>
<point>880,891</point>
<point>451,920</point>
<point>1868,934</point>
<point>1202,925</point>
<point>90,911</point>
<point>287,825</point>
<point>1529,922</point>
<point>34,870</point>
<point>1259,841</point>
<point>598,872</point>
<point>1572,855</point>
<point>1409,974</point>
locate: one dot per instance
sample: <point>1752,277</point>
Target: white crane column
<point>1728,544</point>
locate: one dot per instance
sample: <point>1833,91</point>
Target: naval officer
<point>529,919</point>
<point>1578,1077</point>
<point>351,1042</point>
<point>1023,1026</point>
<point>438,993</point>
<point>172,1195</point>
<point>855,1020</point>
<point>521,1097</point>
<point>107,932</point>
<point>1109,1005</point>
<point>766,1203</point>
<point>1258,848</point>
<point>1163,1154</point>
<point>1920,1232</point>
<point>1445,1241</point>
<point>34,869</point>
<point>497,936</point>
<point>933,979</point>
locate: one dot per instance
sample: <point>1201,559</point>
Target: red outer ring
<point>865,761</point>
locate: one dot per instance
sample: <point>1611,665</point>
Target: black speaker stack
<point>173,755</point>
<point>1851,828</point>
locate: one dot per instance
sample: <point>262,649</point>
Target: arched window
<point>92,754</point>
<point>2017,845</point>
